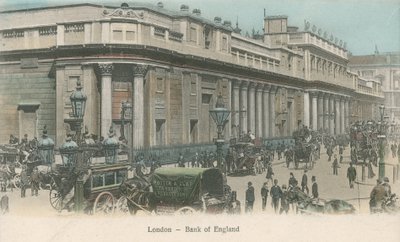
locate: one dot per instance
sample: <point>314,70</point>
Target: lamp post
<point>382,137</point>
<point>46,148</point>
<point>220,115</point>
<point>126,110</point>
<point>78,102</point>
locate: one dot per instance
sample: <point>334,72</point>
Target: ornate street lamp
<point>220,115</point>
<point>382,138</point>
<point>110,146</point>
<point>126,110</point>
<point>46,148</point>
<point>78,102</point>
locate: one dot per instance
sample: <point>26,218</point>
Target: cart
<point>101,184</point>
<point>179,191</point>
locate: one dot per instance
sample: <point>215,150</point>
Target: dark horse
<point>138,195</point>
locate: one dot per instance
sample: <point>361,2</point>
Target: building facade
<point>381,69</point>
<point>171,65</point>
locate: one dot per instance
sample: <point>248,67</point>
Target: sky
<point>362,24</point>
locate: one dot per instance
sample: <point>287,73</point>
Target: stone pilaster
<point>331,114</point>
<point>272,94</point>
<point>259,114</point>
<point>243,107</point>
<point>320,110</point>
<point>266,112</point>
<point>326,112</point>
<point>337,115</point>
<point>314,110</point>
<point>251,107</point>
<point>342,116</point>
<point>306,118</point>
<point>236,107</point>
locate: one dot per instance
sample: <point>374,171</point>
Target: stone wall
<point>26,88</point>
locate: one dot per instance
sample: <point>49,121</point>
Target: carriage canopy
<point>185,186</point>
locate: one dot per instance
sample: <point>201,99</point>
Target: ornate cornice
<point>124,12</point>
<point>106,69</point>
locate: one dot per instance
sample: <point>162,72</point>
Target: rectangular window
<point>160,131</point>
<point>193,34</point>
<point>160,85</point>
<point>109,178</point>
<point>117,34</point>
<point>206,98</point>
<point>97,180</point>
<point>224,43</point>
<point>193,131</point>
<point>130,35</point>
<point>193,88</point>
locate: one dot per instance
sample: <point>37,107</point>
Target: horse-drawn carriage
<point>364,143</point>
<point>246,159</point>
<point>308,205</point>
<point>101,184</point>
<point>179,191</point>
<point>306,149</point>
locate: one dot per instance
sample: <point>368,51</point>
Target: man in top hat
<point>35,180</point>
<point>314,188</point>
<point>304,181</point>
<point>249,197</point>
<point>284,200</point>
<point>292,181</point>
<point>351,175</point>
<point>276,194</point>
<point>264,195</point>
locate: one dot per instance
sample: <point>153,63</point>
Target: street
<point>330,187</point>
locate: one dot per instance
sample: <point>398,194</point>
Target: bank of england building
<point>171,65</point>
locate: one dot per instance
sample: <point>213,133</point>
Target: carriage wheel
<point>17,181</point>
<point>185,211</point>
<point>104,203</point>
<point>55,198</point>
<point>122,205</point>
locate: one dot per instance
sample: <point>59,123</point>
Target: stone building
<point>382,69</point>
<point>171,65</point>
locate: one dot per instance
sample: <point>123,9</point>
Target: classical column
<point>235,108</point>
<point>346,112</point>
<point>272,93</point>
<point>314,109</point>
<point>243,107</point>
<point>337,113</point>
<point>342,116</point>
<point>259,114</point>
<point>306,118</point>
<point>326,112</point>
<point>320,111</point>
<point>266,114</point>
<point>331,115</point>
<point>251,107</point>
<point>106,97</point>
<point>139,71</point>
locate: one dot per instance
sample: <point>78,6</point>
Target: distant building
<point>383,69</point>
<point>171,65</point>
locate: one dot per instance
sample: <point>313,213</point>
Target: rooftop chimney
<point>197,11</point>
<point>217,20</point>
<point>184,8</point>
<point>227,23</point>
<point>160,5</point>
